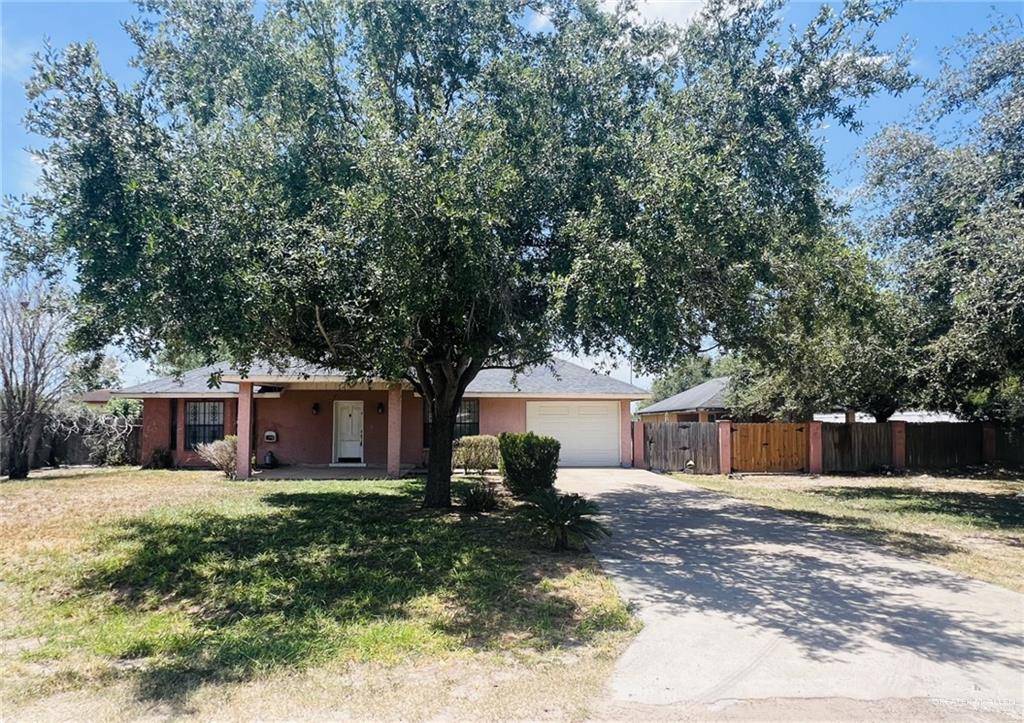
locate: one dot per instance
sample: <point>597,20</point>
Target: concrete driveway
<point>749,613</point>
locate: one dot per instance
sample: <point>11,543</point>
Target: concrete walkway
<point>741,603</point>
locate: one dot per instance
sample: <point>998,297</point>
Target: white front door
<point>348,432</point>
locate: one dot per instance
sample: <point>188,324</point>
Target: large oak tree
<point>422,190</point>
<point>952,193</point>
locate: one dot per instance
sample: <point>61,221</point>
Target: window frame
<point>206,431</point>
<point>467,420</point>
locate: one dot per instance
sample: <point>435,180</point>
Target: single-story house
<point>303,415</point>
<point>702,403</point>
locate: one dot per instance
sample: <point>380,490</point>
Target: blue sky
<point>929,26</point>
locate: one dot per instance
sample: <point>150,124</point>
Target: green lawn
<point>971,525</point>
<point>173,581</point>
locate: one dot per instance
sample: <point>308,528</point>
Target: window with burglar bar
<point>204,423</point>
<point>467,420</point>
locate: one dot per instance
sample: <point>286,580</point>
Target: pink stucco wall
<point>625,434</point>
<point>412,429</point>
<point>305,438</point>
<point>502,415</point>
<point>156,426</point>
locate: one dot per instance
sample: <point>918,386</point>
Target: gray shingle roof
<point>709,395</point>
<point>564,378</point>
<point>561,377</point>
<point>194,381</point>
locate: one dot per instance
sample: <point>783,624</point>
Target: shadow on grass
<point>909,543</point>
<point>323,575</point>
<point>997,510</point>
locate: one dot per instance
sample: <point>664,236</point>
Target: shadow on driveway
<point>741,601</point>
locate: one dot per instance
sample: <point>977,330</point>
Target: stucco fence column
<point>244,455</point>
<point>725,446</point>
<point>815,451</point>
<point>899,444</point>
<point>395,430</point>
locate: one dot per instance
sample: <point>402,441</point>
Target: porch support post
<point>639,448</point>
<point>395,430</point>
<point>815,463</point>
<point>899,444</point>
<point>244,462</point>
<point>725,446</point>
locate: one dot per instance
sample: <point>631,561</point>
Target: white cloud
<point>674,12</point>
<point>16,60</point>
<point>22,175</point>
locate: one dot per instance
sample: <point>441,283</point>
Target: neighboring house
<point>706,402</point>
<point>95,399</point>
<point>310,416</point>
<point>702,403</point>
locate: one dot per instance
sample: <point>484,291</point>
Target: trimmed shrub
<point>528,462</point>
<point>478,453</point>
<point>481,497</point>
<point>563,520</point>
<point>222,454</point>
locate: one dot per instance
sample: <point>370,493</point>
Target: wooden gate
<point>672,445</point>
<point>769,447</point>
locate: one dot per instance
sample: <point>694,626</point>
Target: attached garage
<point>588,431</point>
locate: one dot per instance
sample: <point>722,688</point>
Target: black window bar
<point>204,423</point>
<point>467,420</point>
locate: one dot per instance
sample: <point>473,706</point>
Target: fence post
<point>639,448</point>
<point>899,445</point>
<point>814,452</point>
<point>988,442</point>
<point>725,446</point>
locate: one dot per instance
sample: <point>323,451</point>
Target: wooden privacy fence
<point>815,447</point>
<point>859,447</point>
<point>671,446</point>
<point>1009,446</point>
<point>769,447</point>
<point>943,445</point>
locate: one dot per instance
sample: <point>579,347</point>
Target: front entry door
<point>348,432</point>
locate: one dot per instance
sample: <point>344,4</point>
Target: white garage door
<point>588,431</point>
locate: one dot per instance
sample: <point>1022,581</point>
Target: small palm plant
<point>564,520</point>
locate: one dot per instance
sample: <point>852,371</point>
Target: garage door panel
<point>588,431</point>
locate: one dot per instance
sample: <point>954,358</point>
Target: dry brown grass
<point>973,525</point>
<point>90,633</point>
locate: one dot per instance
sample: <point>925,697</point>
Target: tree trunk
<point>18,462</point>
<point>439,463</point>
<point>442,384</point>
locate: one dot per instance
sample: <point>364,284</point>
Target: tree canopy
<point>423,190</point>
<point>951,193</point>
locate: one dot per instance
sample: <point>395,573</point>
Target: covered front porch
<point>328,431</point>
